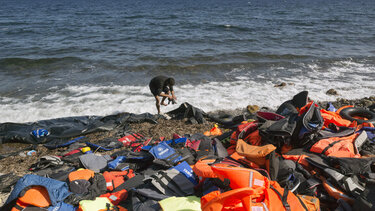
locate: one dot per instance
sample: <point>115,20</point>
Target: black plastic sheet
<point>68,127</point>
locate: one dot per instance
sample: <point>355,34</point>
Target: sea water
<point>62,58</point>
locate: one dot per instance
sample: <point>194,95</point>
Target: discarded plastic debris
<point>31,153</point>
<point>215,131</point>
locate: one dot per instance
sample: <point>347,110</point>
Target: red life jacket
<point>116,178</point>
<point>131,138</point>
<point>247,132</point>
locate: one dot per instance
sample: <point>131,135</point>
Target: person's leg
<point>157,103</point>
<point>162,101</point>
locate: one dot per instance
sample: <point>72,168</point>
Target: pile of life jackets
<point>300,157</point>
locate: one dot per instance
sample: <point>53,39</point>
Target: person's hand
<point>174,97</point>
<point>170,97</point>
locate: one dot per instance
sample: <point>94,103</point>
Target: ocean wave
<point>27,63</point>
<point>238,89</point>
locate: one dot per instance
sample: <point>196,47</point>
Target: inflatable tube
<point>350,112</point>
<point>264,116</point>
<point>228,121</point>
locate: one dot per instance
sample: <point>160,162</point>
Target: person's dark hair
<point>170,81</point>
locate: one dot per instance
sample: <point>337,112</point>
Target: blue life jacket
<point>57,190</point>
<point>186,170</point>
<point>61,206</point>
<point>163,151</point>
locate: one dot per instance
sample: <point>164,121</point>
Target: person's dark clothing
<point>159,84</point>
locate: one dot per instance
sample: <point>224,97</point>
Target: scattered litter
<point>301,157</point>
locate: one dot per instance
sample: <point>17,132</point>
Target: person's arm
<point>173,95</point>
<point>172,92</point>
<point>162,102</point>
<point>166,95</point>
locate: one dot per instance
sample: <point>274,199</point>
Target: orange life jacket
<point>36,196</point>
<point>271,197</point>
<point>254,138</point>
<point>336,146</point>
<point>242,159</point>
<point>311,202</point>
<point>334,192</point>
<point>84,174</point>
<point>256,154</point>
<point>301,159</point>
<point>240,177</point>
<point>335,118</point>
<point>116,178</point>
<point>209,196</point>
<point>203,170</point>
<point>116,197</point>
<point>215,131</point>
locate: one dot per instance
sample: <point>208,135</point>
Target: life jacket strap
<point>18,207</point>
<point>302,203</point>
<point>169,180</point>
<point>138,137</point>
<point>283,197</point>
<point>171,158</point>
<point>329,146</point>
<point>224,185</point>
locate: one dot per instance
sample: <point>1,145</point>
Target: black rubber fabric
<point>7,180</point>
<point>133,182</point>
<point>348,113</point>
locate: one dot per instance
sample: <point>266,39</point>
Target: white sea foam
<point>351,80</point>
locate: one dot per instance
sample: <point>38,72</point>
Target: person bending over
<point>162,86</point>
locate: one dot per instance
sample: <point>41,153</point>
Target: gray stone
<point>282,84</point>
<point>332,92</point>
<point>252,108</point>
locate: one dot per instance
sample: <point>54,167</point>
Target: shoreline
<point>360,102</point>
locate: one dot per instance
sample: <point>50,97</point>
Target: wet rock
<point>332,92</point>
<point>366,103</point>
<point>372,107</point>
<point>282,84</point>
<point>3,198</point>
<point>252,108</point>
